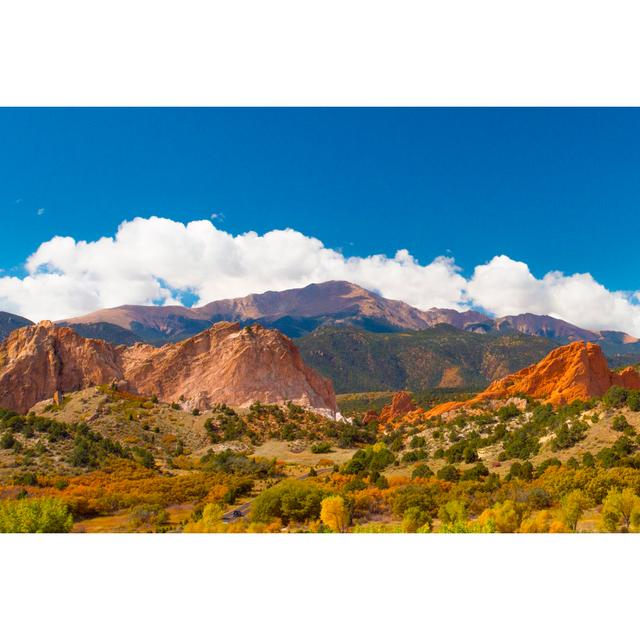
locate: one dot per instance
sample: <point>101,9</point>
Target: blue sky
<point>555,188</point>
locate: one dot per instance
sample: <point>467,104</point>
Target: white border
<point>249,52</point>
<point>334,52</point>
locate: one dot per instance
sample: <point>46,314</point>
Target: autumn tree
<point>572,506</point>
<point>334,514</point>
<point>35,515</point>
<point>504,516</point>
<point>618,509</point>
<point>452,511</point>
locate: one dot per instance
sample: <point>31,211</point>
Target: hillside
<point>439,357</point>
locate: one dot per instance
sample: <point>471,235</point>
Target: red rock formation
<point>227,364</point>
<point>401,404</point>
<point>222,364</point>
<point>577,371</point>
<point>36,361</point>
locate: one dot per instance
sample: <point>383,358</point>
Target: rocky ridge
<point>225,363</point>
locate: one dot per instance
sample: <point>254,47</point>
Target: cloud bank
<point>158,261</point>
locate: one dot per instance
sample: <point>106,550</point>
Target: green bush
<point>290,500</point>
<point>422,471</point>
<point>449,473</point>
<point>615,397</point>
<point>424,497</point>
<point>568,436</point>
<point>372,458</point>
<point>321,447</point>
<point>35,515</point>
<point>619,423</point>
<point>633,400</point>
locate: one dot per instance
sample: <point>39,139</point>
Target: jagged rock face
<point>228,364</point>
<point>38,360</point>
<point>577,371</point>
<point>222,364</point>
<point>401,404</point>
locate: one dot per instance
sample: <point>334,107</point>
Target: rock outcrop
<point>577,371</point>
<point>401,404</point>
<point>39,360</point>
<point>225,363</point>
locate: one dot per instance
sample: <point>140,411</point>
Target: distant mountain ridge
<point>298,312</point>
<point>10,322</point>
<point>438,357</point>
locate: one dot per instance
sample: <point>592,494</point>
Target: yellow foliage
<point>542,522</point>
<point>334,514</point>
<point>503,515</point>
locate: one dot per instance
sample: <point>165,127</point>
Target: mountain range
<point>298,312</point>
<point>359,339</point>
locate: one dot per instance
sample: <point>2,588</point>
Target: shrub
<point>7,440</point>
<point>619,423</point>
<point>321,447</point>
<point>615,396</point>
<point>477,472</point>
<point>148,516</point>
<point>569,435</point>
<point>503,516</point>
<point>35,515</point>
<point>522,443</point>
<point>290,500</point>
<point>422,471</point>
<point>545,464</point>
<point>414,519</point>
<point>452,511</point>
<point>369,459</point>
<point>633,400</point>
<point>422,496</point>
<point>144,457</point>
<point>449,473</point>
<point>414,455</point>
<point>507,412</point>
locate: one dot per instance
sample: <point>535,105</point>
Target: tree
<point>210,521</point>
<point>35,515</point>
<point>615,396</point>
<point>572,506</point>
<point>334,513</point>
<point>414,519</point>
<point>503,516</point>
<point>633,400</point>
<point>290,500</point>
<point>618,509</point>
<point>541,522</point>
<point>449,473</point>
<point>452,511</point>
<point>619,423</point>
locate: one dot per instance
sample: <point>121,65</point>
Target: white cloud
<point>505,287</point>
<point>40,211</point>
<point>154,260</point>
